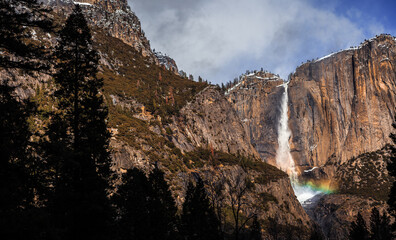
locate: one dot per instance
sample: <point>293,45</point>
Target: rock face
<point>335,213</point>
<point>167,62</point>
<point>210,121</point>
<point>343,105</point>
<point>362,183</point>
<point>256,99</point>
<point>340,106</point>
<point>274,199</point>
<point>119,21</point>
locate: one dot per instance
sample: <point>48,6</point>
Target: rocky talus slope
<point>365,175</point>
<point>361,184</point>
<point>335,213</point>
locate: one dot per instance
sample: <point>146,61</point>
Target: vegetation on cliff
<point>370,177</point>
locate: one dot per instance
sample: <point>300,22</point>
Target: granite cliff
<point>343,105</point>
<point>256,99</point>
<point>340,106</point>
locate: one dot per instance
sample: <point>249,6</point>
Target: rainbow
<point>322,186</point>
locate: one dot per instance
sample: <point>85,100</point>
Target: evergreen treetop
<point>198,218</point>
<point>79,140</point>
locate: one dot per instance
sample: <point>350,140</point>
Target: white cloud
<point>219,39</point>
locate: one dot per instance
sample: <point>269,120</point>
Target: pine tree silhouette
<point>146,207</point>
<point>162,207</point>
<point>359,229</point>
<point>198,219</point>
<point>386,227</point>
<point>375,224</point>
<point>79,138</point>
<point>273,228</point>
<point>16,192</point>
<point>379,226</point>
<point>132,199</point>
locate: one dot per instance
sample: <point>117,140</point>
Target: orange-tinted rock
<point>343,105</point>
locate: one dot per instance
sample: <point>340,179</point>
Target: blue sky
<point>220,39</point>
<point>364,12</point>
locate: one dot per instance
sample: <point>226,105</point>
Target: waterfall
<point>284,159</point>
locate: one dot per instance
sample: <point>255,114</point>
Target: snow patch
<point>327,56</point>
<point>310,170</point>
<point>34,35</point>
<point>83,4</point>
<point>232,89</point>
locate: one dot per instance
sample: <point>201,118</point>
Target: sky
<point>221,39</point>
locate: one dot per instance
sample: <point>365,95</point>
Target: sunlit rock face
<point>257,100</point>
<point>210,120</point>
<point>343,105</point>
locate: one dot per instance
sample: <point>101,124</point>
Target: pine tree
<point>146,207</point>
<point>198,219</point>
<point>385,227</point>
<point>375,224</point>
<point>132,199</point>
<point>162,207</point>
<point>359,229</point>
<point>379,226</point>
<point>16,194</point>
<point>79,139</point>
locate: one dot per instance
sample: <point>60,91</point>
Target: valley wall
<point>343,105</point>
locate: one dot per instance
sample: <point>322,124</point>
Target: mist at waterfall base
<point>284,159</point>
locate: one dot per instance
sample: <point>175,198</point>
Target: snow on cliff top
<point>83,4</point>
